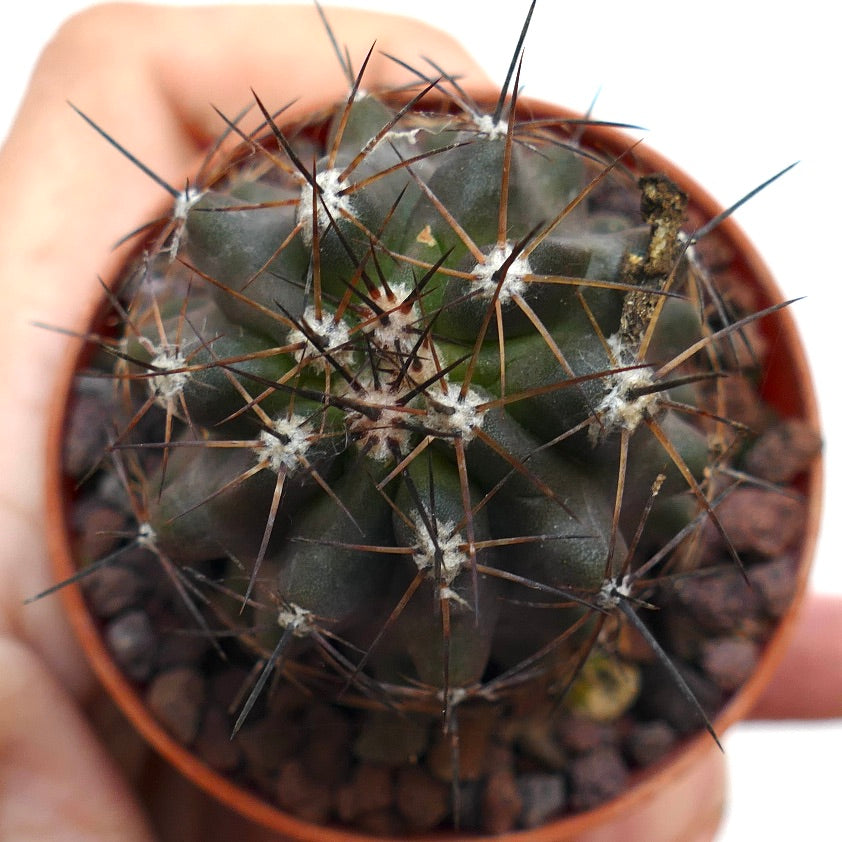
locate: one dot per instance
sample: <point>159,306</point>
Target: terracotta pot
<point>688,774</point>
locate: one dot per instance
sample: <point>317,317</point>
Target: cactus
<point>415,408</point>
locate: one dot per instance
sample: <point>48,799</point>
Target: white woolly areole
<point>486,126</point>
<point>185,201</point>
<point>618,410</point>
<point>166,386</point>
<point>613,592</point>
<point>396,335</point>
<point>282,449</point>
<point>295,619</point>
<point>330,203</point>
<point>452,416</point>
<point>453,559</point>
<point>332,334</point>
<point>407,135</point>
<point>182,205</point>
<point>146,536</point>
<point>398,330</point>
<point>401,325</point>
<point>514,282</point>
<point>378,436</point>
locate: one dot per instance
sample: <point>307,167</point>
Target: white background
<point>732,92</point>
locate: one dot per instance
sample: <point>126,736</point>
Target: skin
<point>142,73</point>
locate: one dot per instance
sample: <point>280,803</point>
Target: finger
<point>146,74</point>
<point>311,74</point>
<point>808,682</point>
<point>57,783</point>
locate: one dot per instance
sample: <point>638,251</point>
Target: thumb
<point>56,781</point>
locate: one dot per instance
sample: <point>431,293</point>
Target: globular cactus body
<point>407,406</point>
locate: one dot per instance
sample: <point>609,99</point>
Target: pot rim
<point>649,786</point>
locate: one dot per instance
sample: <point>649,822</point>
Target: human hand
<point>142,74</point>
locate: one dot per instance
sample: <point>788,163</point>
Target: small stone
<point>499,756</point>
<point>326,752</point>
<point>422,800</point>
<point>631,645</point>
<point>750,349</point>
<point>87,435</point>
<point>227,684</point>
<point>100,530</point>
<point>321,717</point>
<point>775,581</point>
<point>784,451</point>
<point>288,700</point>
<point>110,491</point>
<point>301,795</point>
<point>663,698</point>
<point>685,635</point>
<point>758,520</point>
<point>146,564</point>
<point>369,790</point>
<point>737,394</point>
<point>536,738</point>
<point>385,823</point>
<point>469,804</point>
<point>214,744</point>
<point>579,734</point>
<point>720,601</point>
<point>113,589</point>
<point>176,698</point>
<point>729,661</point>
<point>648,742</point>
<point>268,741</point>
<point>133,644</point>
<point>475,728</point>
<point>501,802</point>
<point>179,646</point>
<point>596,777</point>
<point>542,796</point>
<point>327,757</point>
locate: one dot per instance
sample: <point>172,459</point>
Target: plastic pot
<point>685,774</point>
